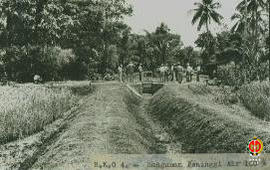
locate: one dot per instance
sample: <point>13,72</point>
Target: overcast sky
<point>148,14</point>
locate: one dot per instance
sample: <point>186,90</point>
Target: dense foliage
<point>35,33</point>
<point>79,39</point>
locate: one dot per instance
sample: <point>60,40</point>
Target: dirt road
<point>111,120</point>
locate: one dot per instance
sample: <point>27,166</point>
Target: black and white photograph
<point>134,85</point>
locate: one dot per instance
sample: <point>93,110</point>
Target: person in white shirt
<point>179,72</point>
<point>163,69</point>
<point>189,73</point>
<point>173,72</point>
<point>140,68</point>
<point>37,79</point>
<point>198,71</point>
<point>130,71</point>
<point>120,73</point>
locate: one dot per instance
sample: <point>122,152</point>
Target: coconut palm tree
<point>205,13</point>
<point>251,5</point>
<point>252,9</point>
<point>240,25</point>
<point>252,19</point>
<point>243,23</point>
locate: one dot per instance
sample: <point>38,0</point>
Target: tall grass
<point>26,110</point>
<point>256,98</point>
<point>191,114</point>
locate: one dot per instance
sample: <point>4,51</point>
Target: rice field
<point>25,110</point>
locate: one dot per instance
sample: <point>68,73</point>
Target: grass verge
<point>256,98</point>
<point>203,125</point>
<point>26,110</point>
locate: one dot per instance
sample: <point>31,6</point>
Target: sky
<point>177,14</point>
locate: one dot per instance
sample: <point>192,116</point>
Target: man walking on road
<point>172,70</point>
<point>189,73</point>
<point>140,68</point>
<point>130,71</point>
<point>120,73</point>
<point>179,72</point>
<point>198,71</point>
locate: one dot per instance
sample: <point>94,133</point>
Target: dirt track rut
<point>105,124</point>
<point>111,120</point>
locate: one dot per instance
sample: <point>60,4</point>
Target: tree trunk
<point>256,46</point>
<point>38,18</point>
<point>9,29</point>
<point>245,36</point>
<point>268,66</point>
<point>269,40</point>
<point>163,55</point>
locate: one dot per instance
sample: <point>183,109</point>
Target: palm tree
<point>163,42</point>
<point>252,20</point>
<point>240,25</point>
<point>205,13</point>
<point>251,5</point>
<point>253,11</point>
<point>268,11</point>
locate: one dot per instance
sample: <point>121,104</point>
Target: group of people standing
<point>177,72</point>
<point>129,71</point>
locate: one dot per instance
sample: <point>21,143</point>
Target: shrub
<point>256,97</point>
<point>226,96</point>
<point>200,89</point>
<point>230,74</point>
<point>263,71</point>
<point>54,62</point>
<point>236,75</point>
<point>22,63</point>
